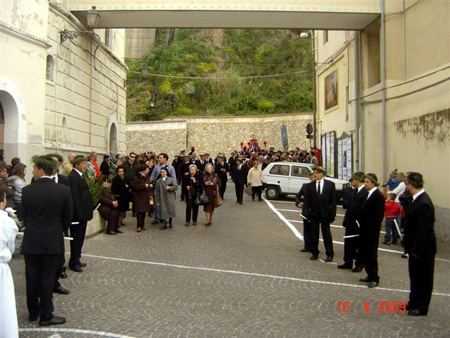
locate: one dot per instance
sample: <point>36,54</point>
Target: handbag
<point>202,199</point>
<point>217,199</point>
<point>248,191</point>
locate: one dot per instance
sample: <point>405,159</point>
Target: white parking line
<point>74,331</point>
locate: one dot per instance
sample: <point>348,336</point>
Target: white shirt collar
<point>79,172</point>
<point>54,177</point>
<point>418,194</point>
<point>371,192</point>
<point>360,188</point>
<point>321,181</point>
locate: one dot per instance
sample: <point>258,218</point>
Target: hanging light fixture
<point>92,18</point>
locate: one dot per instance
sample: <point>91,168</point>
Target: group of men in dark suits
<point>53,203</point>
<point>362,222</point>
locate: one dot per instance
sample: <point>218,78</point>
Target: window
<point>298,171</point>
<point>325,37</point>
<point>50,71</point>
<point>373,54</point>
<point>280,170</point>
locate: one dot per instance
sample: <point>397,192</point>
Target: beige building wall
<point>216,134</point>
<point>85,93</point>
<point>417,96</point>
<point>138,42</point>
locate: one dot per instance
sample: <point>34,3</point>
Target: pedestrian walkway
<point>242,277</point>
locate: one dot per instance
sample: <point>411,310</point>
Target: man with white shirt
<point>370,219</point>
<point>420,245</point>
<point>352,244</point>
<point>319,208</point>
<point>83,211</point>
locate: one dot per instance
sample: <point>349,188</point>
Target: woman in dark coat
<point>108,210</point>
<point>141,189</point>
<point>121,189</point>
<point>192,187</point>
<point>165,188</point>
<point>210,185</point>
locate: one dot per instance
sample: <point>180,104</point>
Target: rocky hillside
<point>221,72</point>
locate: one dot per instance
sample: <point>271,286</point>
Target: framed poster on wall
<point>331,90</point>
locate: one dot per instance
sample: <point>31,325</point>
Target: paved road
<point>242,277</point>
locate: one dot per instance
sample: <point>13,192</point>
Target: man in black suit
<point>221,169</point>
<point>201,163</point>
<point>370,219</point>
<point>352,244</point>
<point>240,179</point>
<point>60,179</point>
<point>420,245</point>
<point>319,208</point>
<point>47,209</point>
<point>82,211</point>
<point>306,224</point>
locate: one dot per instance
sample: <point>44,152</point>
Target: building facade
<point>59,96</point>
<point>383,98</point>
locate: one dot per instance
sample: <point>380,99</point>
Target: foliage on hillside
<point>240,53</point>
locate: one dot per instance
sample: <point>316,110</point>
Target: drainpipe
<point>383,85</point>
<point>355,61</point>
<point>313,47</point>
<point>405,75</point>
<point>361,107</point>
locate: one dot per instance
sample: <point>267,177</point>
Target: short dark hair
<point>15,161</point>
<point>416,180</point>
<point>164,155</point>
<point>120,167</point>
<point>3,165</point>
<point>142,167</point>
<point>45,163</point>
<point>132,153</point>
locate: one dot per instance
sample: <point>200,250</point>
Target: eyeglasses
<point>133,156</point>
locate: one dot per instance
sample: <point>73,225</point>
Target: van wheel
<point>272,193</point>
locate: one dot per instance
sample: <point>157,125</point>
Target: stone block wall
<point>216,134</point>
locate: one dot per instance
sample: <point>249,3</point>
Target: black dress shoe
<point>155,222</point>
<point>163,227</point>
<point>111,233</point>
<point>314,257</point>
<point>170,225</point>
<point>373,284</point>
<point>61,290</point>
<point>329,259</point>
<point>33,317</point>
<point>76,268</point>
<point>305,250</point>
<point>344,266</point>
<point>63,275</point>
<point>82,264</point>
<point>417,312</point>
<point>357,269</point>
<point>53,321</point>
<point>119,231</point>
<point>409,306</point>
<point>365,280</point>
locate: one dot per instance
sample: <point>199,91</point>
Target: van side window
<point>300,171</point>
<point>280,170</point>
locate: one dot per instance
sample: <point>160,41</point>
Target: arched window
<point>50,72</point>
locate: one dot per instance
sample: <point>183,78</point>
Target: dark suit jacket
<point>47,212</point>
<point>83,206</point>
<point>240,175</point>
<point>300,193</point>
<point>222,175</point>
<point>420,239</point>
<point>353,212</point>
<point>63,180</point>
<point>320,207</point>
<point>371,215</point>
<point>200,166</point>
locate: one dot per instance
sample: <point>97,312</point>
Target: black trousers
<point>60,270</point>
<point>140,218</point>
<point>40,273</point>
<point>307,234</point>
<point>256,191</point>
<point>326,234</point>
<point>191,208</point>
<point>421,273</point>
<point>352,248</point>
<point>223,188</point>
<point>369,255</point>
<point>239,191</point>
<point>78,233</point>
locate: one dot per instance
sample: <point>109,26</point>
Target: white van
<point>286,178</point>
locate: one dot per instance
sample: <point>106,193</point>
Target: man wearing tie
<point>306,224</point>
<point>83,211</point>
<point>47,209</point>
<point>221,169</point>
<point>420,245</point>
<point>319,208</point>
<point>240,180</point>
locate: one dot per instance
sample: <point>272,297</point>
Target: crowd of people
<point>147,185</point>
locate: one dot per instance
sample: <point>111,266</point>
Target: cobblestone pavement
<point>242,277</point>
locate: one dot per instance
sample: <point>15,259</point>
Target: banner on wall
<point>284,137</point>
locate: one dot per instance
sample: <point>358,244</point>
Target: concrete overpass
<point>287,14</point>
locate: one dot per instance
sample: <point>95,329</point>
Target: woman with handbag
<point>165,188</point>
<point>211,186</point>
<point>192,187</point>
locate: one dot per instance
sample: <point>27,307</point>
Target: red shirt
<point>392,209</point>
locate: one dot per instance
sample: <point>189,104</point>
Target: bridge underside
<point>332,15</point>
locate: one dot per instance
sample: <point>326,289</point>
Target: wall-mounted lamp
<point>92,17</point>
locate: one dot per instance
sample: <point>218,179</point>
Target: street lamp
<point>92,17</point>
<point>313,51</point>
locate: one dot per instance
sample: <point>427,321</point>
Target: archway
<point>113,139</point>
<point>9,124</point>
